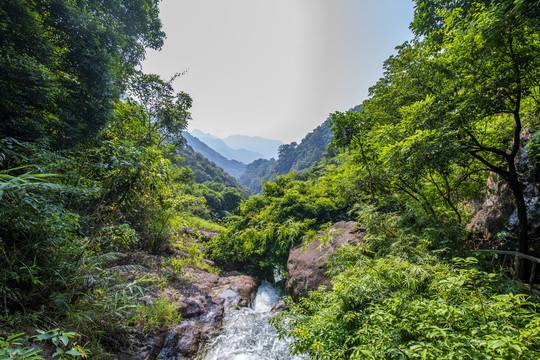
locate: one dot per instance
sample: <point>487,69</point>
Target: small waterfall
<point>247,335</point>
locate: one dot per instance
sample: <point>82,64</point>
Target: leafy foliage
<point>391,299</point>
<point>395,309</point>
<point>12,347</point>
<point>292,158</point>
<point>288,212</point>
<point>86,175</point>
<point>451,107</point>
<point>66,64</point>
<point>221,192</point>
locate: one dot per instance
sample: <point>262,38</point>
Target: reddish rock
<point>235,290</point>
<point>306,265</point>
<point>202,306</point>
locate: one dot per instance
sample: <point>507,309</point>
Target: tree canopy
<point>456,97</point>
<point>64,64</point>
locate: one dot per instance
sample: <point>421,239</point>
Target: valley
<point>407,227</point>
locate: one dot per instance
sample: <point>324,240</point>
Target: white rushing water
<point>247,335</point>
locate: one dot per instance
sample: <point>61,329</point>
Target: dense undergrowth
<point>443,129</point>
<point>94,200</point>
<point>97,210</point>
<point>393,298</point>
<point>69,238</point>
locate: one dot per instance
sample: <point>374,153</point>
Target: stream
<point>247,335</point>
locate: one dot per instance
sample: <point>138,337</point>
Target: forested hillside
<point>221,191</point>
<point>204,170</point>
<point>116,243</point>
<point>242,155</point>
<point>232,167</point>
<point>292,157</point>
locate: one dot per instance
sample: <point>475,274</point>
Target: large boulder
<point>491,216</point>
<point>235,290</point>
<point>202,305</point>
<point>496,217</point>
<point>306,265</point>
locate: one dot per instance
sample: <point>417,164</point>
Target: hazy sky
<point>276,68</point>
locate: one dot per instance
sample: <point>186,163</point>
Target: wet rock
<point>202,307</point>
<point>211,321</point>
<point>190,307</point>
<point>182,342</point>
<point>281,305</point>
<point>235,290</point>
<point>150,349</point>
<point>306,266</point>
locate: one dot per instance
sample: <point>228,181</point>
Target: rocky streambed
<point>225,317</point>
<point>202,306</point>
<point>246,333</point>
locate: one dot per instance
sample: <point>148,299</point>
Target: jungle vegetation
<point>457,105</point>
<point>90,173</point>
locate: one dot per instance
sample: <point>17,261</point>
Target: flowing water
<point>247,335</point>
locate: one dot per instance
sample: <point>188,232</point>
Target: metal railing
<point>519,257</point>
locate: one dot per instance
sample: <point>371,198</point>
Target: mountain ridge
<point>292,157</point>
<point>232,167</point>
<point>268,147</point>
<point>238,147</point>
<point>218,145</point>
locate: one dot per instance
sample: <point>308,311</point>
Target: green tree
<point>457,93</point>
<point>64,64</point>
<point>167,111</point>
<point>286,158</point>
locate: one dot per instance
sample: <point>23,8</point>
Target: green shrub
<point>289,212</point>
<point>14,346</point>
<point>117,238</point>
<point>159,313</point>
<point>390,308</point>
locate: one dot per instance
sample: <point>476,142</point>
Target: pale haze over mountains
<point>232,167</point>
<point>242,148</point>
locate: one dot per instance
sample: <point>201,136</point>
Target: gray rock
<point>281,305</point>
<point>235,291</point>
<point>496,216</point>
<point>306,265</point>
<point>203,315</point>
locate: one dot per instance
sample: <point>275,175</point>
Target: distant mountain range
<point>232,167</point>
<point>292,157</point>
<point>265,158</point>
<point>241,148</point>
<point>268,148</point>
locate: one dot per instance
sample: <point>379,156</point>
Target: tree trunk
<point>523,224</point>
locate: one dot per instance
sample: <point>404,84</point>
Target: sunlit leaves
<point>63,64</point>
<point>391,308</point>
<point>290,212</point>
<point>167,111</point>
